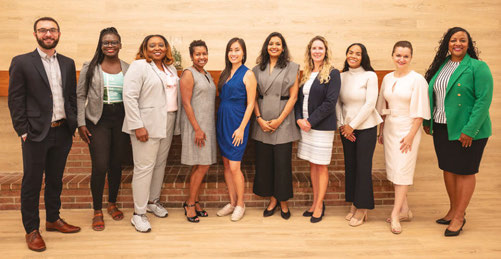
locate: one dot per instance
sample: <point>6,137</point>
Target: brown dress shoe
<point>35,242</point>
<point>61,226</point>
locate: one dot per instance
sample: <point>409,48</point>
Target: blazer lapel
<point>270,78</point>
<point>457,73</point>
<point>100,77</point>
<point>37,62</point>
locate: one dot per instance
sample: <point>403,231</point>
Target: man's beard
<point>45,46</point>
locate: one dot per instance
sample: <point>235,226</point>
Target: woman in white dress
<point>315,112</point>
<point>403,103</point>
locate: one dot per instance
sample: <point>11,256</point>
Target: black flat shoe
<point>449,233</point>
<point>285,215</point>
<point>268,213</point>
<point>201,213</point>
<point>307,214</point>
<point>193,219</point>
<point>443,221</point>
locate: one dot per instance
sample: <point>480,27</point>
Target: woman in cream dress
<point>403,103</point>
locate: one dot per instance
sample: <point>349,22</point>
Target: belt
<point>281,97</point>
<point>57,123</point>
<point>114,104</point>
<point>395,112</point>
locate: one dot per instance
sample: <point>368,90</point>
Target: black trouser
<point>48,155</point>
<point>107,144</point>
<point>273,170</point>
<point>358,168</point>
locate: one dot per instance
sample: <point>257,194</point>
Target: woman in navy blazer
<point>315,113</point>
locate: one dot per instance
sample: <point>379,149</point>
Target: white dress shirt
<point>53,71</point>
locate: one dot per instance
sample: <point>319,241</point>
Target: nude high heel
<point>357,222</point>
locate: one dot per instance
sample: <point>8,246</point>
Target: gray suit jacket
<point>271,88</point>
<point>145,100</point>
<point>90,100</point>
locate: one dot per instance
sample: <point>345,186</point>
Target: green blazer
<point>467,99</point>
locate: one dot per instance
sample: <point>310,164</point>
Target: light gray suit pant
<point>150,158</point>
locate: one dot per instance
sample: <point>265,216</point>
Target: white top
<point>53,71</point>
<point>356,104</point>
<point>440,89</point>
<point>306,92</point>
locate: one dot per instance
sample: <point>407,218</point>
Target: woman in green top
<point>460,90</point>
<point>100,117</point>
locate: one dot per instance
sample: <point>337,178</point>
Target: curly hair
<point>443,51</point>
<point>264,57</point>
<point>141,54</point>
<point>365,63</point>
<point>197,43</point>
<point>325,69</point>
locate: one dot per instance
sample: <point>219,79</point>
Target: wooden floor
<point>257,237</point>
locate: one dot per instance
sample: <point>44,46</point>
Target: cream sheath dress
<point>401,100</point>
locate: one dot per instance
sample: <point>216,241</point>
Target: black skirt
<point>454,158</point>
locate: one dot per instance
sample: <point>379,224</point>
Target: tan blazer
<point>90,100</point>
<point>145,100</point>
<point>271,88</point>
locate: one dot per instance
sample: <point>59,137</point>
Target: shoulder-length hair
<point>227,64</point>
<point>443,51</point>
<point>141,54</point>
<point>99,55</point>
<point>365,63</point>
<point>264,56</point>
<point>325,69</point>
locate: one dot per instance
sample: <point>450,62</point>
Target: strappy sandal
<point>201,213</point>
<point>193,219</point>
<point>115,213</point>
<point>98,222</point>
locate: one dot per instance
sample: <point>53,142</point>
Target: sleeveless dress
<point>230,115</point>
<point>203,102</point>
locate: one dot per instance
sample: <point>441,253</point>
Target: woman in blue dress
<point>237,90</point>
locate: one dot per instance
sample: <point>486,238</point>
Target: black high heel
<point>443,221</point>
<point>316,220</point>
<point>193,219</point>
<point>307,213</point>
<point>449,233</point>
<point>201,213</point>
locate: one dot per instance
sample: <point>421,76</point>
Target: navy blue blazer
<point>30,97</point>
<point>321,103</point>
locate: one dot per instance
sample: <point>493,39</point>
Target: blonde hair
<point>325,69</point>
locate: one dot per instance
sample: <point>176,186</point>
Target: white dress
<point>314,146</point>
<point>401,100</point>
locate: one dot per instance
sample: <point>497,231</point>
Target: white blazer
<point>145,100</point>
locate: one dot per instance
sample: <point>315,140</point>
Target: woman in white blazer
<point>151,100</point>
<point>357,121</point>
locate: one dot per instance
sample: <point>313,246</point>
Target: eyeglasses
<point>110,43</point>
<point>45,30</point>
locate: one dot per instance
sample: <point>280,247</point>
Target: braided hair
<point>99,55</point>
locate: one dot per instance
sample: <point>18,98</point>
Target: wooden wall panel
<point>377,24</point>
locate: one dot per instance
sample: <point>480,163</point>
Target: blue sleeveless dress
<point>230,115</point>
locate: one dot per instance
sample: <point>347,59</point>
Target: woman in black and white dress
<point>316,116</point>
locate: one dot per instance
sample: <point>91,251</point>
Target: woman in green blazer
<point>460,90</point>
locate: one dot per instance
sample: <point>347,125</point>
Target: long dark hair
<point>141,53</point>
<point>227,64</point>
<point>365,62</point>
<point>99,55</point>
<point>443,50</point>
<point>264,57</point>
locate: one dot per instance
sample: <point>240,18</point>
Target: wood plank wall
<point>377,24</point>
